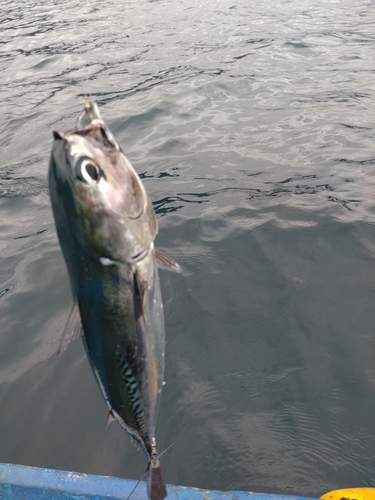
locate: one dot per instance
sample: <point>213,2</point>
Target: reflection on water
<point>251,125</point>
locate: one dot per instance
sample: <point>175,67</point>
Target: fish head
<point>97,196</point>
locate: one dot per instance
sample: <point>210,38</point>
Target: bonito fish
<point>106,227</point>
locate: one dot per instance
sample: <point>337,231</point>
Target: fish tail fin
<point>156,489</point>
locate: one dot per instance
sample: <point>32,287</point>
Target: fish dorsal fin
<point>73,328</point>
<point>167,263</point>
<point>110,419</point>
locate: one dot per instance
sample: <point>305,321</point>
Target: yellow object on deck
<point>350,494</point>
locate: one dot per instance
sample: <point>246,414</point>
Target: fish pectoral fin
<point>110,419</point>
<point>166,263</point>
<point>73,328</point>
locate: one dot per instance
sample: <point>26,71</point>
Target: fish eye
<point>87,171</point>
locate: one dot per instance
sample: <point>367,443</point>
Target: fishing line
<point>147,469</point>
<point>166,449</point>
<point>139,480</point>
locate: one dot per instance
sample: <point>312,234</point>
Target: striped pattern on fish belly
<point>129,387</point>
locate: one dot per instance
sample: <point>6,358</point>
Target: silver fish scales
<point>106,227</point>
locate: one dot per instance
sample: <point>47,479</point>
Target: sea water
<point>252,127</point>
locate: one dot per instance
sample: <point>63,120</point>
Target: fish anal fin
<point>156,489</point>
<point>110,419</point>
<point>73,328</point>
<point>167,263</point>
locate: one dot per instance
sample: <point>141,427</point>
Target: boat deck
<point>18,482</point>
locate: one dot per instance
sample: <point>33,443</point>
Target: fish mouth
<point>105,261</point>
<point>141,255</point>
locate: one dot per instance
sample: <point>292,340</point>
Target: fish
<point>106,226</point>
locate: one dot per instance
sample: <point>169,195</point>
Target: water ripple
<point>252,124</point>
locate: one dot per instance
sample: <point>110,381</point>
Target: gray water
<point>252,126</point>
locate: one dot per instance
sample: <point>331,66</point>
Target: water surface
<point>252,126</point>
